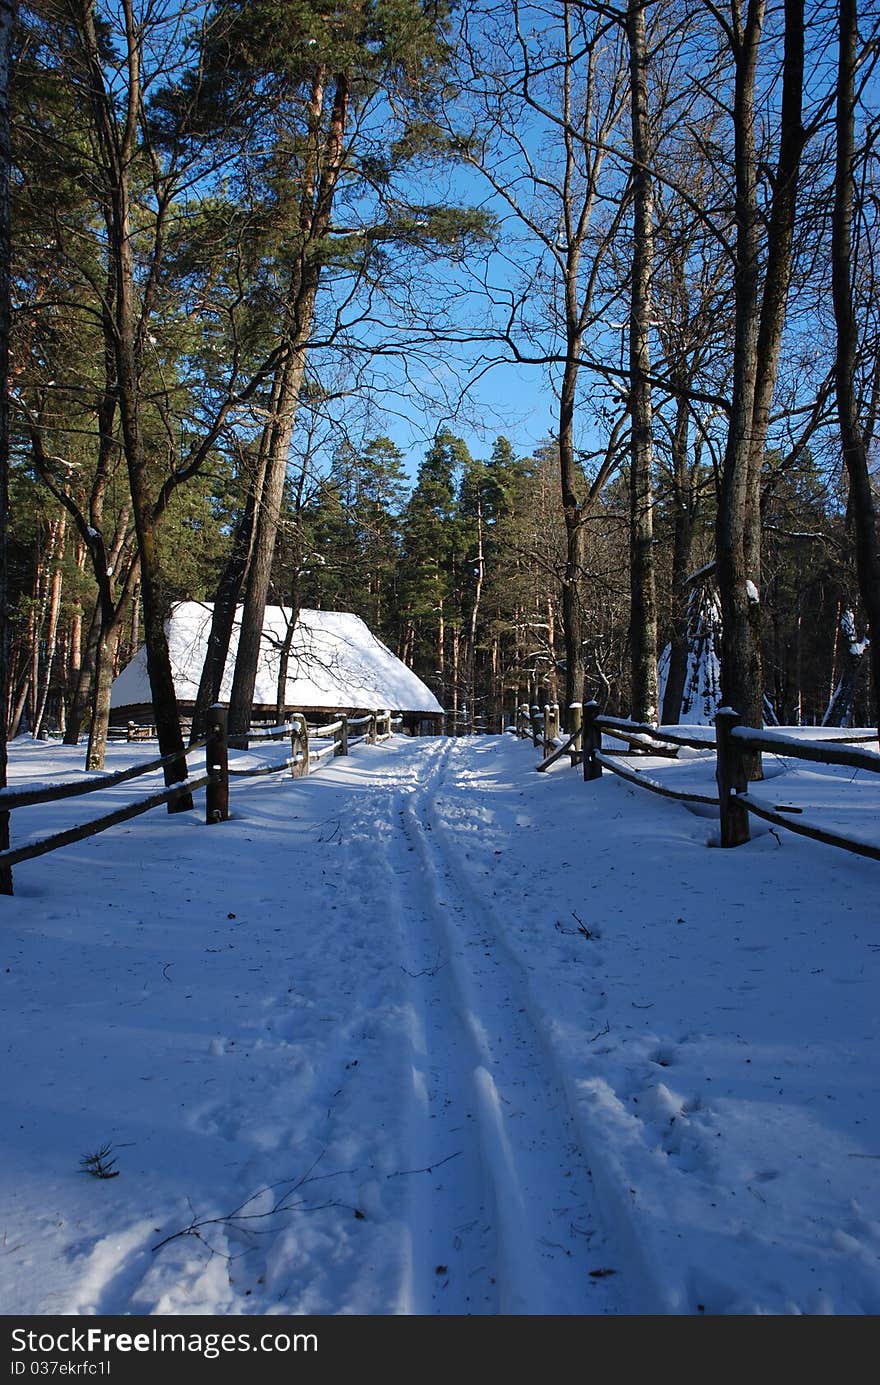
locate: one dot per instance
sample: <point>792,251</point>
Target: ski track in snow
<point>503,1218</point>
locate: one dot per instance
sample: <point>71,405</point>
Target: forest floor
<point>430,1033</point>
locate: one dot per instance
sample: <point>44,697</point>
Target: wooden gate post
<point>522,721</point>
<point>342,744</point>
<point>732,780</point>
<point>575,728</point>
<point>217,762</point>
<point>299,745</point>
<point>591,739</point>
<point>547,730</point>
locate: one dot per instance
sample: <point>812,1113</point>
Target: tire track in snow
<point>506,1225</point>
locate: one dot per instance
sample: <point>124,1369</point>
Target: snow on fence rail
<point>731,743</point>
<point>377,726</point>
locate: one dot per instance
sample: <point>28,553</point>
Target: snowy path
<point>429,1033</point>
<point>508,1215</point>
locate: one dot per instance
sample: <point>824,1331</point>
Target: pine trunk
<point>265,533</point>
<point>643,601</point>
<point>7,17</point>
<point>862,507</point>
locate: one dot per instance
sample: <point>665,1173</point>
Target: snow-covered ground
<point>431,1033</point>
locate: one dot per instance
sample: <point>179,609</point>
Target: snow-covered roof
<point>335,662</point>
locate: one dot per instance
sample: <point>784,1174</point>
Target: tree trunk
<point>163,696</point>
<point>572,615</point>
<point>42,696</point>
<point>105,662</point>
<point>226,602</point>
<point>322,168</point>
<point>643,601</point>
<point>741,671</point>
<point>862,506</point>
<point>75,659</point>
<point>682,554</point>
<point>265,533</point>
<point>760,317</point>
<point>471,680</point>
<point>7,17</point>
<point>117,134</point>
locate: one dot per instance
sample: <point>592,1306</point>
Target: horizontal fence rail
<point>96,825</point>
<point>49,793</point>
<point>374,727</point>
<point>644,781</point>
<point>730,744</point>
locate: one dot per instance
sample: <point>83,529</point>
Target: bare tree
<point>547,90</point>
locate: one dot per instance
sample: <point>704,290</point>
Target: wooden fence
<point>731,743</point>
<point>337,738</point>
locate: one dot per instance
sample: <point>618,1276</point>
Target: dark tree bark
<point>265,532</point>
<point>682,556</point>
<point>226,598</point>
<point>117,134</point>
<point>759,318</point>
<point>82,686</point>
<point>862,506</point>
<point>7,17</point>
<point>323,168</point>
<point>643,598</point>
<point>574,513</point>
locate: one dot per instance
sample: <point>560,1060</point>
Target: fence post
<point>591,740</point>
<point>731,778</point>
<point>343,736</point>
<point>536,725</point>
<point>547,731</point>
<point>522,721</point>
<point>299,745</point>
<point>575,728</point>
<point>217,762</point>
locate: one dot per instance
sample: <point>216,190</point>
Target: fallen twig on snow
<point>429,1168</point>
<point>239,1217</point>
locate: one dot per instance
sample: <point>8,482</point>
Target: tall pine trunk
<point>323,165</point>
<point>102,683</point>
<point>226,598</point>
<point>265,533</point>
<point>7,17</point>
<point>862,506</point>
<point>643,600</point>
<point>51,635</point>
<point>760,318</point>
<point>682,550</point>
<point>116,127</point>
<point>575,533</point>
